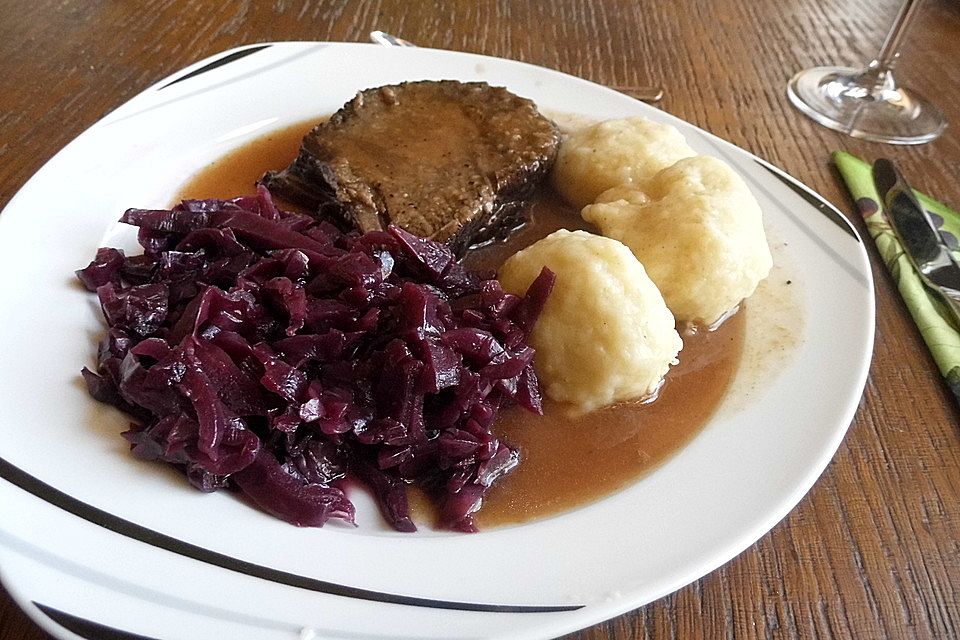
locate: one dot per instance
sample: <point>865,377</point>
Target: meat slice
<point>446,160</point>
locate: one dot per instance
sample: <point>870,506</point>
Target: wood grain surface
<point>873,551</point>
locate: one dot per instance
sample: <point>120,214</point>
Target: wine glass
<point>868,103</point>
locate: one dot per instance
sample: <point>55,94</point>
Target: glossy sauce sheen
<point>566,461</point>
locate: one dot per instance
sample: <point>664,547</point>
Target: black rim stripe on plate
<point>86,628</point>
<point>219,62</point>
<point>54,496</point>
<point>816,201</point>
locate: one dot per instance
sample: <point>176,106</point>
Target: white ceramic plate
<point>89,536</point>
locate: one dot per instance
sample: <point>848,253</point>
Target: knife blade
<point>919,237</point>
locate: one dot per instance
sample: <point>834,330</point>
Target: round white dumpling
<point>605,334</point>
<point>615,152</point>
<point>697,230</point>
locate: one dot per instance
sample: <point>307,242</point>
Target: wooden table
<point>873,551</point>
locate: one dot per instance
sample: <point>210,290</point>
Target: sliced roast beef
<point>446,160</point>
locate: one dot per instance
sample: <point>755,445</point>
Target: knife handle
<point>952,298</point>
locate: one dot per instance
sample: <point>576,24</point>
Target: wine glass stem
<point>890,49</point>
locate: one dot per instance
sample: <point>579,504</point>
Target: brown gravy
<point>565,461</point>
<point>236,173</point>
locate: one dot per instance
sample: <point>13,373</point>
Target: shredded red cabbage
<point>271,353</point>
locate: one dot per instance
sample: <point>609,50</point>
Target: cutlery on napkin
<point>933,316</point>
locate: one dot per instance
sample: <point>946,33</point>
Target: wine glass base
<point>865,104</point>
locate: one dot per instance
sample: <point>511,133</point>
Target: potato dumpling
<point>605,334</point>
<point>615,152</point>
<point>697,230</point>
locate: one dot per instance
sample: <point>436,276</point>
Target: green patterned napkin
<point>929,312</point>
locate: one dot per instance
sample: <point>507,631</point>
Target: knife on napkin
<point>934,317</point>
<point>918,235</point>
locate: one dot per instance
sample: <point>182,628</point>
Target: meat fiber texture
<point>270,353</point>
<point>605,334</point>
<point>629,151</point>
<point>697,230</point>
